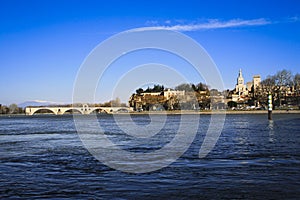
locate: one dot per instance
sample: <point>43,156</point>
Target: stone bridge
<point>85,109</point>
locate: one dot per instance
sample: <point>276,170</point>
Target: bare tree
<point>297,88</point>
<point>116,102</point>
<point>297,80</point>
<point>269,83</point>
<point>283,79</point>
<point>185,86</point>
<point>13,108</point>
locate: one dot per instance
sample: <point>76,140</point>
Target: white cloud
<point>211,24</point>
<point>294,19</point>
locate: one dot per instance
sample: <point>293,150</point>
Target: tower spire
<point>240,79</point>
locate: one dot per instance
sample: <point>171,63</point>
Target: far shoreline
<point>178,112</point>
<point>210,112</point>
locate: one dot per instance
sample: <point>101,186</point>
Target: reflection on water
<point>254,158</point>
<point>271,131</point>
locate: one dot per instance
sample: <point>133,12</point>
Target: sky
<point>43,44</point>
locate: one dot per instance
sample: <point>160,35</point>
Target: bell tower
<point>240,79</point>
<point>240,87</point>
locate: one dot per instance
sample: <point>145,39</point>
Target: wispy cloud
<point>210,24</point>
<point>293,19</point>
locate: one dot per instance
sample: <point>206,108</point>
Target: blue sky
<point>43,43</point>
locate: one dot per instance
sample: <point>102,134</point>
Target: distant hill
<point>37,103</point>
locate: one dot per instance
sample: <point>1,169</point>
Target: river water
<point>43,157</point>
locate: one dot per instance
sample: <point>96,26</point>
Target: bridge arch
<point>122,110</point>
<point>72,109</point>
<point>97,108</point>
<point>40,109</point>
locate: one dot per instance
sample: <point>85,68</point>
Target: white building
<point>151,93</point>
<point>171,93</point>
<point>240,87</point>
<point>241,90</point>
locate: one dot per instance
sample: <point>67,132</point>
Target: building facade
<point>172,93</point>
<point>243,92</point>
<point>240,87</point>
<point>256,82</point>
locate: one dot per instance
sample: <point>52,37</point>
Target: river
<point>43,157</point>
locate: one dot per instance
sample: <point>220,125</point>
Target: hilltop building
<point>172,93</point>
<point>151,93</point>
<point>169,99</point>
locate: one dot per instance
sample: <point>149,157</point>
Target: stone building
<point>256,82</point>
<point>243,92</point>
<point>172,93</point>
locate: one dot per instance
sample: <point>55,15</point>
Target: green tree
<point>139,91</point>
<point>4,110</point>
<point>232,104</point>
<point>200,87</point>
<point>158,88</point>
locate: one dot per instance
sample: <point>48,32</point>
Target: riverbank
<point>186,112</point>
<point>209,112</point>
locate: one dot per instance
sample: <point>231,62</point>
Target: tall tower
<point>240,79</point>
<point>256,81</point>
<point>240,87</point>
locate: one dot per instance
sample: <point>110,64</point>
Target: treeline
<point>284,87</point>
<point>112,103</point>
<point>192,87</point>
<point>11,109</point>
<point>283,78</point>
<point>188,87</point>
<point>195,96</point>
<point>156,88</point>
